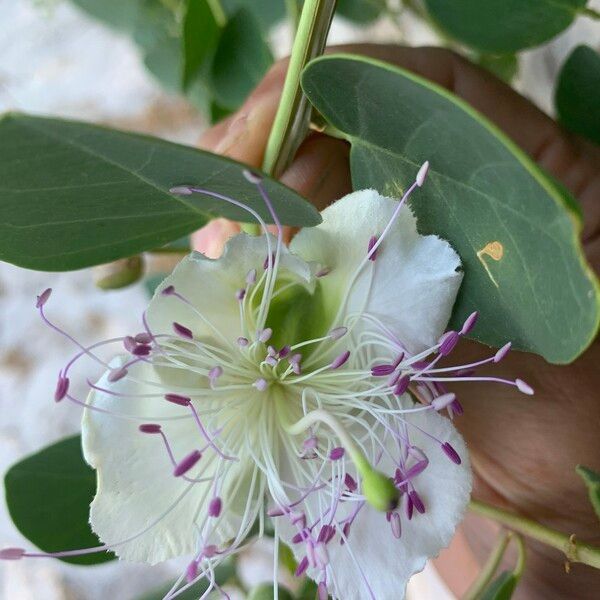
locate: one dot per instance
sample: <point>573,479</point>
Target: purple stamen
<point>422,173</point>
<point>524,387</point>
<point>191,572</point>
<point>502,352</point>
<point>322,272</point>
<point>382,370</point>
<point>469,323</point>
<point>302,566</point>
<point>181,190</point>
<point>143,338</point>
<point>310,443</point>
<point>416,469</point>
<point>395,525</point>
<point>178,399</point>
<point>340,360</point>
<point>129,343</point>
<point>183,331</point>
<point>214,507</point>
<point>443,401</point>
<point>187,463</point>
<point>448,342</point>
<point>338,332</point>
<point>337,453</point>
<point>43,298</point>
<point>417,501</point>
<point>168,291</point>
<point>457,408</point>
<point>215,373</point>
<point>141,350</point>
<point>242,341</point>
<point>240,294</point>
<point>350,482</point>
<point>269,261</point>
<point>261,384</point>
<point>251,277</point>
<point>62,387</point>
<point>150,428</point>
<point>451,453</point>
<point>284,351</point>
<point>371,252</point>
<point>402,385</point>
<point>12,553</point>
<point>409,507</point>
<point>265,335</point>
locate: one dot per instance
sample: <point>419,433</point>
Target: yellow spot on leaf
<point>495,250</point>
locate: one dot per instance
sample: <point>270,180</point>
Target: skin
<point>524,449</point>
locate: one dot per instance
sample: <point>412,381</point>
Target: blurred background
<point>55,60</point>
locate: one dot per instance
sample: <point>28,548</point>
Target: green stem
<point>293,115</point>
<point>489,569</point>
<point>218,12</point>
<point>590,12</point>
<point>575,551</point>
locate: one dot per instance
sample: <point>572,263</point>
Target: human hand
<point>523,449</point>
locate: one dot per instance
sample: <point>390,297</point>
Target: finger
<point>211,239</point>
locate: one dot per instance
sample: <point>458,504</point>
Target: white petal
<point>136,486</point>
<point>211,285</point>
<point>373,558</point>
<point>415,278</point>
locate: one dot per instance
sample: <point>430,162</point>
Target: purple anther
<point>337,453</point>
<point>183,331</point>
<point>443,401</point>
<point>322,272</point>
<point>372,254</point>
<point>302,566</point>
<point>284,352</point>
<point>350,482</point>
<point>469,323</point>
<point>409,506</point>
<point>396,525</point>
<point>62,387</point>
<point>251,277</point>
<point>402,385</point>
<point>299,537</point>
<point>416,469</point>
<point>43,298</point>
<point>187,463</point>
<point>129,343</point>
<point>271,361</point>
<point>117,374</point>
<point>191,572</point>
<point>346,532</point>
<point>181,190</point>
<point>178,399</point>
<point>457,408</point>
<point>240,294</point>
<point>422,173</point>
<point>382,370</point>
<point>143,338</point>
<point>340,360</point>
<point>252,177</point>
<point>417,501</point>
<point>142,350</point>
<point>524,387</point>
<point>448,342</point>
<point>214,507</point>
<point>322,593</point>
<point>150,428</point>
<point>210,551</point>
<point>502,352</point>
<point>270,260</point>
<point>338,332</point>
<point>451,453</point>
<point>295,359</point>
<point>242,341</point>
<point>398,360</point>
<point>265,335</point>
<point>168,291</point>
<point>324,533</point>
<point>12,553</point>
<point>261,384</point>
<point>215,373</point>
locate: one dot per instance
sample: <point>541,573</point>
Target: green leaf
<point>518,242</point>
<point>48,495</point>
<point>74,195</point>
<point>200,38</point>
<point>501,588</point>
<point>592,482</point>
<point>360,11</point>
<point>115,13</point>
<point>577,95</point>
<point>223,573</point>
<point>241,60</point>
<point>502,26</point>
<point>265,592</point>
<point>308,590</point>
<point>268,12</point>
<point>503,66</point>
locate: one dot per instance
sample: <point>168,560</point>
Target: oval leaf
<point>503,25</point>
<point>592,482</point>
<point>74,195</point>
<point>502,588</point>
<point>48,496</point>
<point>577,96</point>
<point>524,268</point>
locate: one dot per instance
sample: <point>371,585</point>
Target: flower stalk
<point>293,114</point>
<point>575,551</point>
